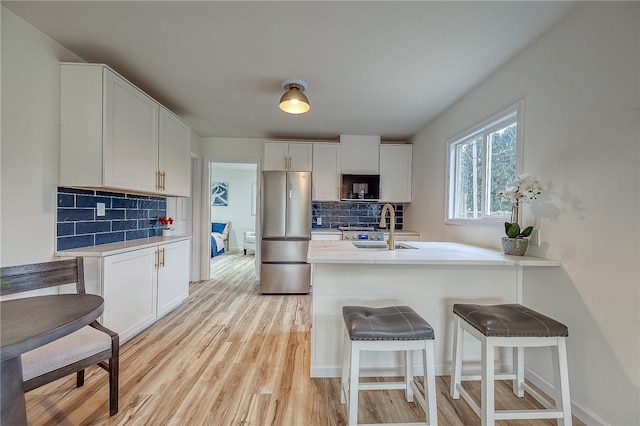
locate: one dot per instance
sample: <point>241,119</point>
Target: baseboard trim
<point>582,413</point>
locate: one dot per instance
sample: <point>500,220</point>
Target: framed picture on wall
<point>219,194</point>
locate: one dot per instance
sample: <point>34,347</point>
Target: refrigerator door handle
<point>290,190</point>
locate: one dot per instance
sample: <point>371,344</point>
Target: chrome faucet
<point>392,227</point>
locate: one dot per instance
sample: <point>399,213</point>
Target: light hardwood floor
<point>229,356</point>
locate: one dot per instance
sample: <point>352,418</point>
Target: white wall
<point>196,144</point>
<point>239,150</point>
<point>245,150</point>
<point>581,91</point>
<point>30,130</point>
<point>238,210</point>
<point>179,208</point>
<point>30,140</point>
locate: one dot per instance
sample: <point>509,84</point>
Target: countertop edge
<point>336,231</point>
<point>417,262</point>
<point>426,253</point>
<point>117,248</point>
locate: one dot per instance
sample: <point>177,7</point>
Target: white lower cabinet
<point>173,276</point>
<point>138,286</point>
<point>129,291</point>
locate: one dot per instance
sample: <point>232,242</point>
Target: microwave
<point>360,187</point>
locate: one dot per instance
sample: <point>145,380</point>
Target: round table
<point>29,323</point>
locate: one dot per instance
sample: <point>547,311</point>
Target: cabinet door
<point>360,154</point>
<point>284,156</point>
<point>326,172</point>
<point>395,173</point>
<point>300,157</point>
<point>276,156</point>
<point>130,136</point>
<point>129,292</point>
<point>173,275</point>
<point>174,148</point>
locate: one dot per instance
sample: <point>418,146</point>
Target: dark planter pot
<point>515,246</point>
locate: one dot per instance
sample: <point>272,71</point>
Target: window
<point>481,162</point>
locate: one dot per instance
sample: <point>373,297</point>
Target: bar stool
<point>394,328</point>
<point>515,326</point>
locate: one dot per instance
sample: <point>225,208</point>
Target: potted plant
<point>523,189</point>
<point>166,222</point>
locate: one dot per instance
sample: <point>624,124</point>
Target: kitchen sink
<point>379,245</point>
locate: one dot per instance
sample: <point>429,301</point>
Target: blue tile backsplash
<point>127,217</point>
<point>336,214</point>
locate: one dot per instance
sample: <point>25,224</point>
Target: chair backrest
<point>35,276</point>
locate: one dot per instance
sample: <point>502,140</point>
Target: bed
<point>219,237</point>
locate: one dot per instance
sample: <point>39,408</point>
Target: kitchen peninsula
<point>428,276</point>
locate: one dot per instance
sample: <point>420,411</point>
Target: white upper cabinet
<point>130,136</point>
<point>288,156</point>
<point>325,184</point>
<point>174,154</point>
<point>113,135</point>
<point>360,154</point>
<point>395,172</point>
<point>276,156</point>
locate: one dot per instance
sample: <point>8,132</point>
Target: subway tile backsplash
<point>127,217</point>
<point>336,214</point>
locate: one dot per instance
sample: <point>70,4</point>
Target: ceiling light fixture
<point>294,101</point>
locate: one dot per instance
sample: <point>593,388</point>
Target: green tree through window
<point>481,163</point>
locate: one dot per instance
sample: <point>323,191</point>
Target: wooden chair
<point>91,345</point>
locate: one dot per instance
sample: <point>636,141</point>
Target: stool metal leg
<point>487,408</point>
<point>456,365</point>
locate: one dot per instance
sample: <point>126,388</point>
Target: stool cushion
<point>510,320</point>
<point>390,323</point>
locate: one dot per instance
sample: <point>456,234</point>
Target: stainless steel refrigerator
<point>286,230</point>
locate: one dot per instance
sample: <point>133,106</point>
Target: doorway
<point>232,208</point>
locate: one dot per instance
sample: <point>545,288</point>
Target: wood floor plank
<point>229,356</point>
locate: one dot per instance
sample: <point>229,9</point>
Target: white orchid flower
<point>524,188</point>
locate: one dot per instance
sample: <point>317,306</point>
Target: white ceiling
<point>380,68</point>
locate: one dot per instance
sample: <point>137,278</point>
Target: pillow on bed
<point>218,227</point>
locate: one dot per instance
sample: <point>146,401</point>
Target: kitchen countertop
<point>426,253</point>
<point>123,247</point>
<point>336,231</point>
<point>330,231</point>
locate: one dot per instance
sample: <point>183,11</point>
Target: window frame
<point>483,130</point>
